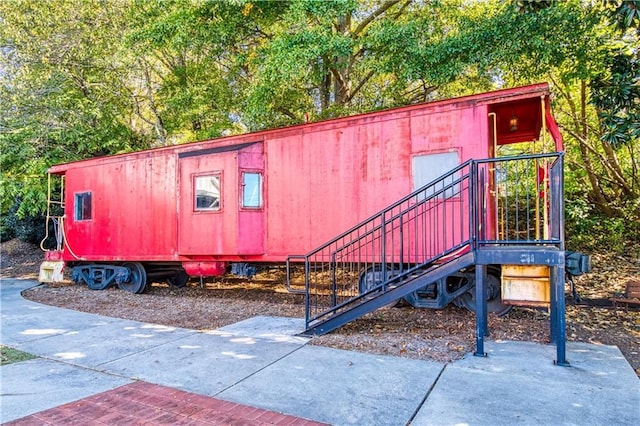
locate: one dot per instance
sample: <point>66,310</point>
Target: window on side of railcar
<point>207,193</point>
<point>428,168</point>
<point>251,190</point>
<point>82,206</point>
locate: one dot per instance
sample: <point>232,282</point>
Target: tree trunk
<point>580,131</point>
<point>618,175</point>
<point>325,86</point>
<point>341,75</point>
<point>158,125</point>
<point>596,189</point>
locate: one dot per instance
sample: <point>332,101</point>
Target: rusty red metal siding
<point>319,180</point>
<point>325,181</point>
<point>133,210</point>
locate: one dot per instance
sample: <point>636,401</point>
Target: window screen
<point>427,168</point>
<point>82,208</point>
<point>207,193</point>
<point>251,190</point>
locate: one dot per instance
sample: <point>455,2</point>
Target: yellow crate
<point>526,285</point>
<point>51,271</point>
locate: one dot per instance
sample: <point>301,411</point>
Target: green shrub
<point>28,229</point>
<point>589,230</point>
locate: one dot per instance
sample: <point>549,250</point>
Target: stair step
<point>394,290</point>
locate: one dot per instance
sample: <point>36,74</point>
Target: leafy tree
<point>193,63</point>
<point>616,92</point>
<point>255,64</point>
<point>576,46</point>
<point>61,92</point>
<point>86,78</point>
<point>605,110</point>
<point>325,59</point>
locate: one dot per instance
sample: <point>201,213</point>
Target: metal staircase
<point>492,211</point>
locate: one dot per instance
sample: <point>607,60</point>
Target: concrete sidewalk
<point>261,373</point>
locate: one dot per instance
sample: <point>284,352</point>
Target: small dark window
<point>207,193</point>
<point>83,206</point>
<point>251,190</point>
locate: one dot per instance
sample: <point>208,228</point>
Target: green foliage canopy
<point>84,78</point>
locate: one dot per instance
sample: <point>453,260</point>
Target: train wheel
<point>137,278</point>
<point>494,301</point>
<point>372,278</point>
<point>98,281</point>
<point>178,280</point>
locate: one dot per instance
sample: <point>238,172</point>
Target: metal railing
<point>522,197</point>
<point>55,213</point>
<point>497,201</point>
<point>401,239</point>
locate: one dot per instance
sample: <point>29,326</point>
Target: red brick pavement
<point>142,403</point>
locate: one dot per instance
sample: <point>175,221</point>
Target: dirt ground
<point>440,335</point>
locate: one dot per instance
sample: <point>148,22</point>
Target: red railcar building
<point>201,208</point>
<point>262,196</point>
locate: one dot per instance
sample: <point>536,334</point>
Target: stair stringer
<point>377,300</point>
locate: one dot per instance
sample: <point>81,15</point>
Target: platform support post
<point>558,326</point>
<point>481,309</point>
<point>553,311</point>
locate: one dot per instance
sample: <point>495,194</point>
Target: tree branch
<point>286,112</point>
<point>382,9</point>
<point>359,86</point>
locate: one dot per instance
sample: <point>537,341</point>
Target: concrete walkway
<point>101,370</point>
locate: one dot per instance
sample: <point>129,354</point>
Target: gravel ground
<point>441,335</point>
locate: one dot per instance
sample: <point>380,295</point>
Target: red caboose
<point>202,208</point>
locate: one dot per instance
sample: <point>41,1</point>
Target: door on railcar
<point>443,206</point>
<point>221,207</point>
<point>518,190</point>
<point>523,193</point>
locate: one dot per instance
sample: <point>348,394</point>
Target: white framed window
<point>207,192</point>
<point>251,190</point>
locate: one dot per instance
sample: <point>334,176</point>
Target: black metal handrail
<point>525,200</point>
<point>386,245</point>
<point>498,201</point>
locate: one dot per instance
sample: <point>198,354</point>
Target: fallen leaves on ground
<point>440,335</point>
